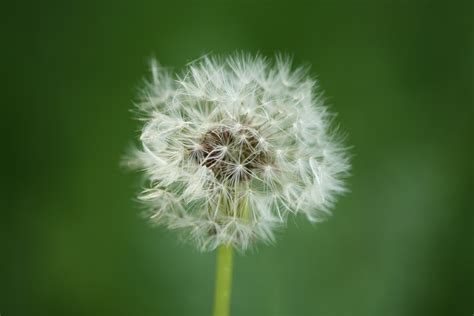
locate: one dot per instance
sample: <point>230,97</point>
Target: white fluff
<point>232,146</point>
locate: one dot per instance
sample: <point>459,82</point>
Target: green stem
<point>223,281</point>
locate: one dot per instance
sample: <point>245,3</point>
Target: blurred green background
<point>400,75</point>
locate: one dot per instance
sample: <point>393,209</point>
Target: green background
<point>400,75</point>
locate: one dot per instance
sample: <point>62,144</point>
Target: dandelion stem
<point>223,281</point>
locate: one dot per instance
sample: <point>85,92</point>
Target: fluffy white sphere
<point>232,146</point>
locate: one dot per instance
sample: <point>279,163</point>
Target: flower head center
<point>232,153</point>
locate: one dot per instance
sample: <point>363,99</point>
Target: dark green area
<point>400,75</point>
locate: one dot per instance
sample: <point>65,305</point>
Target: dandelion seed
<point>232,146</point>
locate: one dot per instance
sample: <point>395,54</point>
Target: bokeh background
<point>400,75</point>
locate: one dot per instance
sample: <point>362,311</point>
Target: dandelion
<point>232,147</point>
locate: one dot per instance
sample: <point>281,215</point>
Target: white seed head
<point>232,146</point>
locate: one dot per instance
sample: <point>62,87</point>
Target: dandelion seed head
<point>232,146</point>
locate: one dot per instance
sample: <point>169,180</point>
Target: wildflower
<point>232,146</point>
